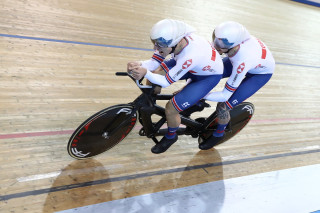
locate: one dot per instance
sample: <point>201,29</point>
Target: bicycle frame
<point>106,128</point>
<point>146,106</point>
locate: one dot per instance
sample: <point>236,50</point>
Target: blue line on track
<point>313,3</point>
<point>297,65</point>
<point>72,42</point>
<point>112,46</point>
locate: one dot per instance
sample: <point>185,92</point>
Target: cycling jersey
<point>198,57</point>
<point>252,58</point>
<point>198,61</point>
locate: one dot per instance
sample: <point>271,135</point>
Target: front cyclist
<point>192,58</point>
<point>249,65</point>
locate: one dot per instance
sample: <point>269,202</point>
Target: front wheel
<point>102,131</point>
<point>240,115</point>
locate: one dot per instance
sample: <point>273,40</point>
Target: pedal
<point>142,132</point>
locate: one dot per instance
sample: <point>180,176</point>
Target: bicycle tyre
<point>91,137</point>
<point>240,116</point>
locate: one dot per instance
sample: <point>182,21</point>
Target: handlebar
<point>122,73</point>
<point>141,86</point>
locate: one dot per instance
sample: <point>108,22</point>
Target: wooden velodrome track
<point>58,60</point>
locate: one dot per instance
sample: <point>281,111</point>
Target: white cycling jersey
<point>253,57</point>
<point>198,57</point>
<point>153,63</point>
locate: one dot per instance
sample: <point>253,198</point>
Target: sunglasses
<point>161,42</point>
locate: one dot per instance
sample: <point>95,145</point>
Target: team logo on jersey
<point>206,68</point>
<point>187,64</point>
<point>176,75</point>
<point>185,104</point>
<point>240,68</point>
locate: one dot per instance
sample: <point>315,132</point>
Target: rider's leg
<point>187,97</point>
<point>222,110</point>
<point>250,85</point>
<point>223,115</point>
<point>223,119</point>
<point>173,120</point>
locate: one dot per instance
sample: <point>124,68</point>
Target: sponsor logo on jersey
<point>174,77</point>
<point>185,104</point>
<point>187,64</point>
<point>234,102</point>
<point>260,67</point>
<point>234,80</point>
<point>241,68</point>
<point>206,68</point>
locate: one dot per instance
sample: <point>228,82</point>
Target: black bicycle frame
<point>147,108</point>
<point>146,105</point>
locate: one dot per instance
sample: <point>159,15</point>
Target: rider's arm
<point>173,74</point>
<point>238,74</point>
<point>160,71</point>
<point>153,63</point>
<point>218,96</point>
<point>157,79</point>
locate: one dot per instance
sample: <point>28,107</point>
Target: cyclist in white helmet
<point>192,58</point>
<point>249,65</point>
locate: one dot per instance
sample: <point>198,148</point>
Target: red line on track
<point>69,132</point>
<point>283,120</point>
<point>35,134</point>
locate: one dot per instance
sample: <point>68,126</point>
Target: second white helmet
<point>168,32</point>
<point>229,34</point>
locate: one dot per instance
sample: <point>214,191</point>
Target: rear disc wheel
<point>240,116</point>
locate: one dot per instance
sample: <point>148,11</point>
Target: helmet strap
<point>173,49</point>
<point>232,51</point>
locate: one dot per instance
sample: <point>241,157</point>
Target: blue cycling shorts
<point>194,91</point>
<point>249,85</point>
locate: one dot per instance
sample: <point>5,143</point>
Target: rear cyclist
<point>249,65</point>
<point>192,58</point>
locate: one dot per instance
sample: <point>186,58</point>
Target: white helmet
<point>168,32</point>
<point>229,34</point>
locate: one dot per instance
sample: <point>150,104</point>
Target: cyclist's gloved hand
<point>138,73</point>
<point>133,65</point>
